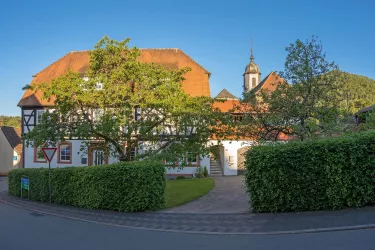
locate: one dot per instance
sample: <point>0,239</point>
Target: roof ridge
<point>81,51</point>
<point>195,62</point>
<point>7,136</point>
<point>226,92</point>
<point>71,52</point>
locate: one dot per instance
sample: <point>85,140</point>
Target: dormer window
<point>99,86</point>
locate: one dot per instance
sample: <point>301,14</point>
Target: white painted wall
<point>76,157</point>
<point>7,154</point>
<point>230,149</point>
<point>204,161</point>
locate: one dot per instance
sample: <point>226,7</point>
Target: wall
<point>6,156</point>
<point>76,157</point>
<point>189,170</point>
<point>229,148</point>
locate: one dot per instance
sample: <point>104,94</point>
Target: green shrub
<point>180,177</point>
<point>127,187</point>
<point>199,172</point>
<point>313,175</point>
<point>205,171</point>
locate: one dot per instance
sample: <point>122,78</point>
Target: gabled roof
<point>13,136</point>
<point>226,95</point>
<point>196,83</point>
<point>227,105</point>
<point>270,82</point>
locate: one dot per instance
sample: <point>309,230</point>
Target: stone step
<point>216,172</point>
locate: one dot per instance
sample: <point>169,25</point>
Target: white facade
<point>229,154</point>
<point>251,80</point>
<point>82,159</point>
<point>10,159</point>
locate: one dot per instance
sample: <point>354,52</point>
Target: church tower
<point>252,74</point>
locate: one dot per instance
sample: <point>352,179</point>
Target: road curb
<point>303,231</point>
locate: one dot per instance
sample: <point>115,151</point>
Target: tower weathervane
<point>251,50</point>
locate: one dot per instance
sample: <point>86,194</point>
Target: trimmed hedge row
<point>315,175</point>
<point>127,187</point>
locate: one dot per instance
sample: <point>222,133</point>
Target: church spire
<point>251,50</point>
<point>252,73</point>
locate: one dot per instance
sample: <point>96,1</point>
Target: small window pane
<point>192,158</point>
<point>39,116</point>
<point>83,160</point>
<point>65,153</point>
<point>40,155</point>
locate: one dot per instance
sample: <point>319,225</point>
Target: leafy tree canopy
<point>121,101</point>
<point>306,104</point>
<point>11,121</point>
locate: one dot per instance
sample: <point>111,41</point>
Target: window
<point>97,114</point>
<point>137,113</point>
<point>84,161</point>
<point>39,116</point>
<point>65,152</point>
<point>253,84</point>
<point>99,86</point>
<point>133,152</point>
<point>38,155</point>
<point>191,159</point>
<point>237,118</point>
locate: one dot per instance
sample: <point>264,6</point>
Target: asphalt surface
<point>228,196</point>
<point>21,229</point>
<point>3,183</point>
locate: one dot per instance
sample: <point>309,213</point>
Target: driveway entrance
<point>228,196</point>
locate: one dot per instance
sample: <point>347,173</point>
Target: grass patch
<point>179,192</point>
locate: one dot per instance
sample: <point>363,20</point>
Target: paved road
<point>3,183</point>
<point>20,229</point>
<point>228,196</point>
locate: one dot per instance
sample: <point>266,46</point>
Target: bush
<point>199,172</point>
<point>127,187</point>
<point>205,171</point>
<point>180,177</point>
<point>314,175</point>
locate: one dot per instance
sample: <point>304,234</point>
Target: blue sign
<point>25,183</point>
<point>15,158</point>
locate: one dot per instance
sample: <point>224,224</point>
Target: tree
<point>11,121</point>
<point>305,105</point>
<point>358,92</point>
<point>123,102</point>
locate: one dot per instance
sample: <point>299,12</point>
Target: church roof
<point>270,82</point>
<point>196,81</point>
<point>225,94</point>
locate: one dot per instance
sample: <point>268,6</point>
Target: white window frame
<point>37,115</point>
<point>70,152</point>
<point>193,163</point>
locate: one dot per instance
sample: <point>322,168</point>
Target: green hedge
<point>127,187</point>
<point>314,175</point>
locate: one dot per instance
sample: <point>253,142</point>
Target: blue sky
<point>214,33</point>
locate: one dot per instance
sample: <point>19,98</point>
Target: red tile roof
<point>270,82</point>
<point>196,83</point>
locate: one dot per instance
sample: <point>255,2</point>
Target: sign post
<point>25,185</point>
<point>49,153</point>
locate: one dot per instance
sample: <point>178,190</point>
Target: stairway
<point>215,169</point>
